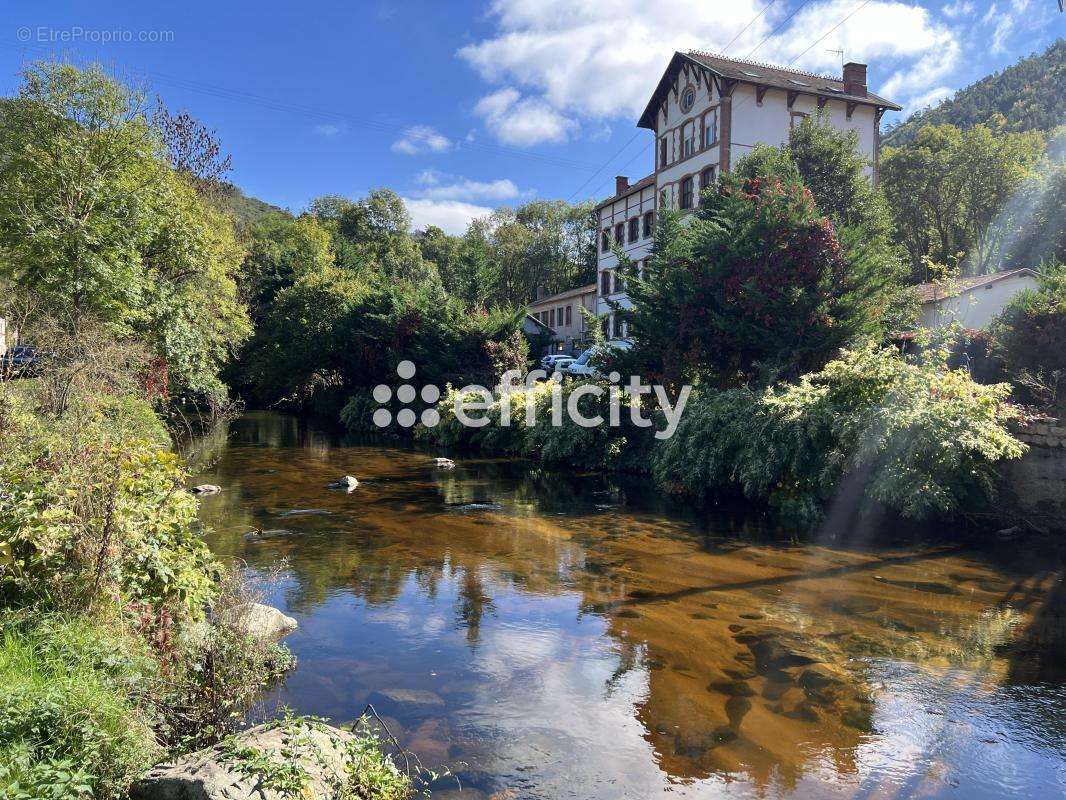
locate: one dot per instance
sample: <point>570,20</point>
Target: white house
<point>563,314</point>
<point>707,112</point>
<point>971,302</point>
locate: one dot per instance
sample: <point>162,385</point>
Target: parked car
<point>583,366</point>
<point>20,361</point>
<point>548,362</point>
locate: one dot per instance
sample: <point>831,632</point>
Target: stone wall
<point>1036,483</point>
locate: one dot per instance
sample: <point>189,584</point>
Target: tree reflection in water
<point>601,641</point>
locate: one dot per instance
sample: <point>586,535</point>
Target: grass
<point>70,720</point>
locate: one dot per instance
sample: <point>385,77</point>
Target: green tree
<point>281,250</point>
<point>94,223</point>
<point>755,286</point>
<point>948,187</point>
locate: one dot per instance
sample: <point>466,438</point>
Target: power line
<point>765,8</point>
<point>225,93</point>
<point>598,171</point>
<point>858,8</point>
<point>799,8</point>
<point>626,165</point>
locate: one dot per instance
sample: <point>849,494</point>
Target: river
<point>571,635</point>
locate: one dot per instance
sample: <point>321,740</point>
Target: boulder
<point>444,463</point>
<point>206,488</point>
<point>224,772</point>
<point>259,621</point>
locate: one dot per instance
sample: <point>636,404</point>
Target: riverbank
<point>872,434</point>
<point>123,641</point>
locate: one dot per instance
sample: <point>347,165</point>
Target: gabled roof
<point>755,73</point>
<point>643,183</point>
<point>932,292</point>
<point>577,291</point>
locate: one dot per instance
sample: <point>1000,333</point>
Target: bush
<point>616,447</point>
<point>1030,340</point>
<point>71,721</point>
<point>92,509</point>
<point>921,438</point>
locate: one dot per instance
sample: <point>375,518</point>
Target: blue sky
<point>462,106</point>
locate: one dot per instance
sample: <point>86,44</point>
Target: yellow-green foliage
<point>93,507</point>
<point>917,436</point>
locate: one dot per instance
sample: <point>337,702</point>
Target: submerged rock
<point>405,701</point>
<point>259,621</point>
<point>220,773</point>
<point>206,488</point>
<point>258,534</point>
<point>304,512</point>
<point>775,651</point>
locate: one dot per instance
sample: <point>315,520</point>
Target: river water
<point>569,635</point>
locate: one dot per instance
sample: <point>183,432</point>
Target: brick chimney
<point>855,79</point>
<point>540,292</point>
<point>621,183</point>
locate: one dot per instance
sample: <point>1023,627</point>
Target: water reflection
<point>573,636</point>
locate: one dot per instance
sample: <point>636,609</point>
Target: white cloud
<point>420,139</point>
<point>330,129</point>
<point>451,216</point>
<point>559,61</point>
<point>960,8</point>
<point>437,185</point>
<point>522,121</point>
<point>931,98</point>
<point>502,189</point>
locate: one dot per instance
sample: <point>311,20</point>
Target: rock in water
<point>348,482</point>
<point>259,621</point>
<point>258,535</point>
<point>217,774</point>
<point>206,488</point>
<point>444,463</point>
<point>396,702</point>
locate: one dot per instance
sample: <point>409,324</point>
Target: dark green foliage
<point>332,332</point>
<point>959,196</point>
<point>1027,96</point>
<point>756,285</point>
<point>1029,339</point>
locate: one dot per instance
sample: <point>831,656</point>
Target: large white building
<point>707,112</point>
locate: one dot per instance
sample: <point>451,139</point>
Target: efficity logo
<point>472,403</point>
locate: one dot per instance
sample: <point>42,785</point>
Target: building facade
<point>562,313</point>
<point>706,113</point>
<point>972,302</point>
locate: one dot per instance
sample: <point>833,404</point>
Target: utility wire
<point>225,93</point>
